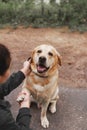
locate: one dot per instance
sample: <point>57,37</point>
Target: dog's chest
<point>39,93</point>
<point>41,88</point>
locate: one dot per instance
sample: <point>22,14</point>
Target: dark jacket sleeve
<point>23,118</point>
<point>14,80</point>
<point>22,122</point>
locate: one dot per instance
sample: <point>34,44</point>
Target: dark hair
<point>5,59</point>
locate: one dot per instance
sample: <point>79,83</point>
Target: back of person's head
<point>5,59</point>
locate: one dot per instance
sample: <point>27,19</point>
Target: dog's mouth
<point>42,68</point>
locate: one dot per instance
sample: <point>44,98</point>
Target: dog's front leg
<point>21,97</point>
<point>44,120</point>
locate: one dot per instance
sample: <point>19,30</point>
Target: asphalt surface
<point>71,110</point>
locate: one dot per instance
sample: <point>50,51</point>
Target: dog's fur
<point>42,82</point>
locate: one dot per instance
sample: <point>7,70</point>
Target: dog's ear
<point>30,58</point>
<point>59,59</point>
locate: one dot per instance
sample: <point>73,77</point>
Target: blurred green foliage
<point>19,12</point>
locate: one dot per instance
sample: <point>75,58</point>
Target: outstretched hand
<point>24,98</point>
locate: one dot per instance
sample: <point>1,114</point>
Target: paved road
<point>71,110</point>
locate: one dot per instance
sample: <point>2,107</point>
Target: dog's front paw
<point>20,98</point>
<point>45,122</point>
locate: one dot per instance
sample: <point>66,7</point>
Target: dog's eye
<point>50,54</point>
<point>39,51</point>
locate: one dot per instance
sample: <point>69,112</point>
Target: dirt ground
<point>71,45</point>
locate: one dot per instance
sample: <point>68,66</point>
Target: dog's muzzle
<point>42,60</point>
<point>41,66</point>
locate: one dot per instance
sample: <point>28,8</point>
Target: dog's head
<point>45,60</point>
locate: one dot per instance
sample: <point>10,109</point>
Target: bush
<point>6,12</point>
<point>72,13</point>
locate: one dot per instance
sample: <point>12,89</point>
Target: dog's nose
<point>42,59</point>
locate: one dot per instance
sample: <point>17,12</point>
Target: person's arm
<point>14,80</point>
<point>22,122</point>
<point>24,108</point>
<point>23,118</point>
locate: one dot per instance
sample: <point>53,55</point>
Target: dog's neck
<point>40,75</point>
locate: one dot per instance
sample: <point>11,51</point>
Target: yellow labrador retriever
<point>42,82</point>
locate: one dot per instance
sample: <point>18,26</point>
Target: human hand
<point>26,67</point>
<point>24,98</point>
